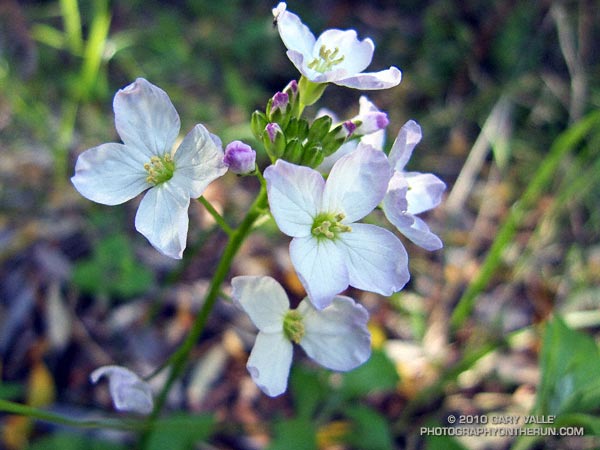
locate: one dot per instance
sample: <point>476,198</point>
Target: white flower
<point>128,391</point>
<point>112,173</point>
<point>335,337</point>
<point>411,193</point>
<point>329,250</point>
<point>337,56</point>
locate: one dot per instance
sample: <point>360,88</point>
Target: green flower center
<point>329,226</point>
<point>326,60</point>
<point>293,327</point>
<point>160,169</point>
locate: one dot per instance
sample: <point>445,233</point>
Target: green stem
<point>218,217</point>
<point>179,359</point>
<point>40,414</point>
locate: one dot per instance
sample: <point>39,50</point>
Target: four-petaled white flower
<point>411,193</point>
<point>113,173</point>
<point>329,250</point>
<point>335,337</point>
<point>337,56</point>
<point>128,391</point>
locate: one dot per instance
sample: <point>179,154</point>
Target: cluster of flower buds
<point>287,136</point>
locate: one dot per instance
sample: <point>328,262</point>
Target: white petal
<point>408,137</point>
<point>337,336</point>
<point>294,195</point>
<point>384,79</point>
<point>145,118</point>
<point>198,162</point>
<point>270,361</point>
<point>330,160</point>
<point>110,173</point>
<point>294,34</point>
<point>263,299</point>
<point>375,258</point>
<point>357,183</point>
<point>424,193</point>
<point>128,391</point>
<point>357,54</point>
<point>162,218</point>
<point>419,233</point>
<point>320,267</point>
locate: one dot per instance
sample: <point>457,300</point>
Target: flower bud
<point>258,122</point>
<point>274,140</point>
<point>240,158</point>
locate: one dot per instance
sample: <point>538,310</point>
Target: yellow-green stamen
<point>329,226</point>
<point>326,60</point>
<point>293,327</point>
<point>160,169</point>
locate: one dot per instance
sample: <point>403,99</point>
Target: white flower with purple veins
<point>411,193</point>
<point>113,173</point>
<point>128,391</point>
<point>335,337</point>
<point>329,250</point>
<point>336,56</point>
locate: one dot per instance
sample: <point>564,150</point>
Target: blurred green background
<point>505,92</point>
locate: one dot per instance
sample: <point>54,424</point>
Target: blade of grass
<point>541,179</point>
<point>94,47</point>
<point>72,23</point>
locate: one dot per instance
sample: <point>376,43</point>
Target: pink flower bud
<point>239,157</point>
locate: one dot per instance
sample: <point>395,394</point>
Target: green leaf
<point>445,442</point>
<point>376,375</point>
<point>297,434</point>
<point>10,391</point>
<point>307,390</point>
<point>181,432</point>
<point>570,364</point>
<point>370,429</point>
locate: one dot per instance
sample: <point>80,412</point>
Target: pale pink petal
<point>145,118</point>
<point>198,162</point>
<point>375,258</point>
<point>337,336</point>
<point>162,218</point>
<point>330,160</point>
<point>110,173</point>
<point>294,195</point>
<point>357,183</point>
<point>263,299</point>
<point>408,137</point>
<point>270,361</point>
<point>321,268</point>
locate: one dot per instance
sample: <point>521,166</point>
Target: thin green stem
<point>215,214</point>
<point>40,414</point>
<point>180,357</point>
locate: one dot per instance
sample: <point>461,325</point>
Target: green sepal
<point>297,128</point>
<point>313,156</point>
<point>310,92</point>
<point>258,122</point>
<point>319,128</point>
<point>293,151</point>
